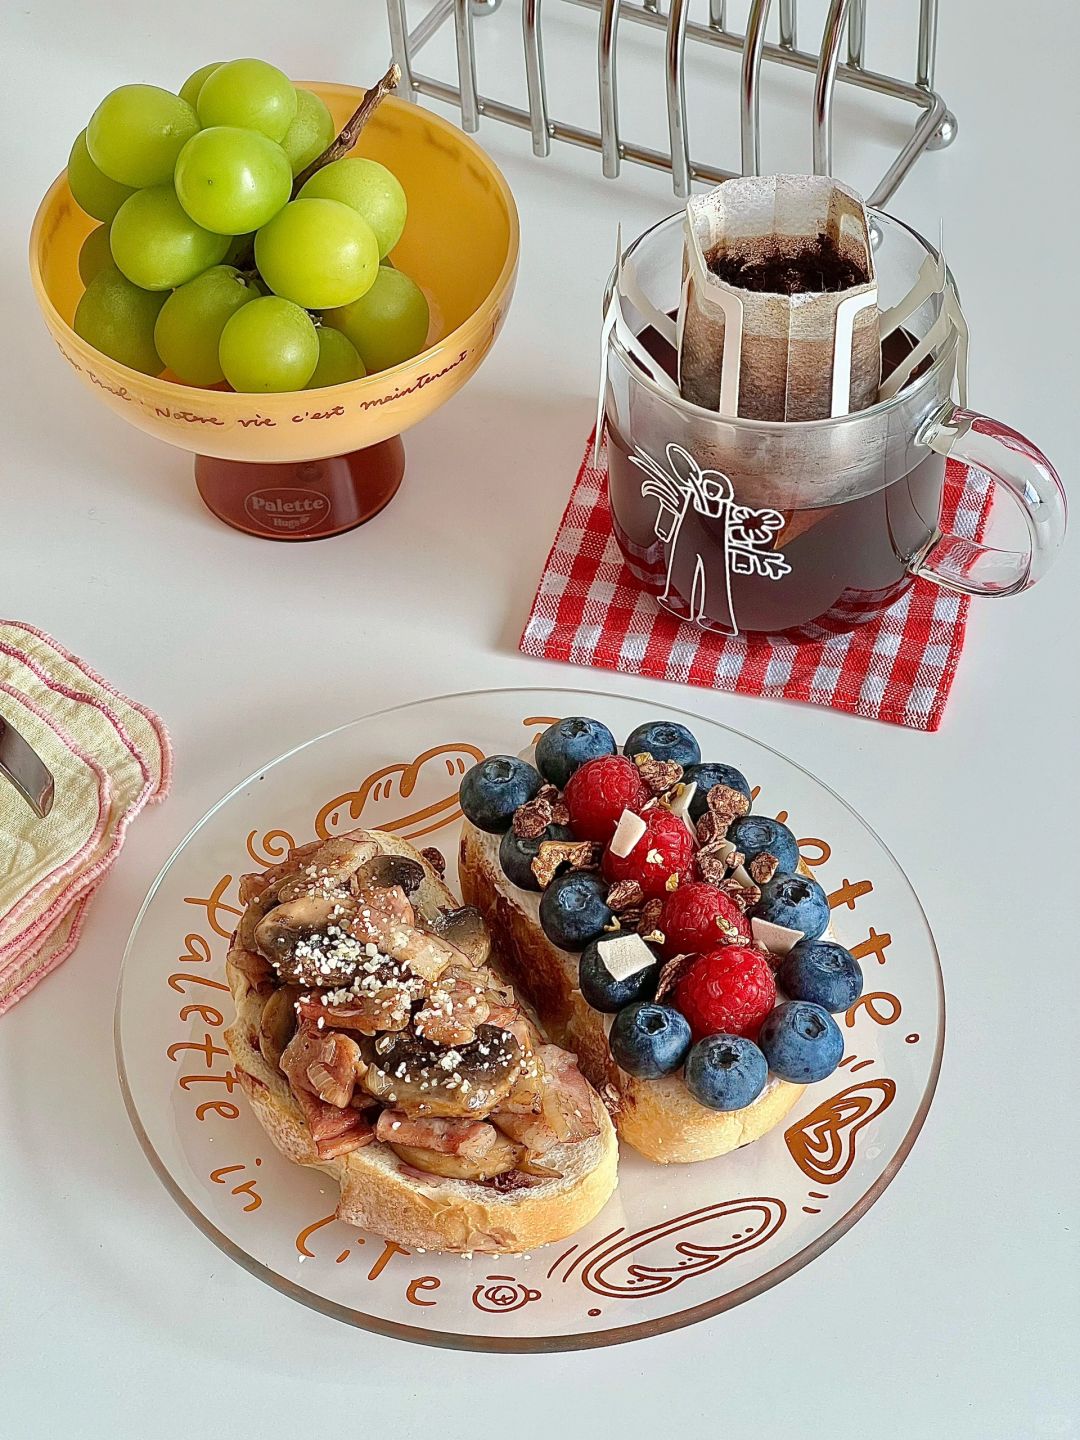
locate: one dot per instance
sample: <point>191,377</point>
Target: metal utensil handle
<point>21,765</point>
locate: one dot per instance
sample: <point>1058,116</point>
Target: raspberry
<point>730,991</point>
<point>695,919</point>
<point>598,793</point>
<point>666,849</point>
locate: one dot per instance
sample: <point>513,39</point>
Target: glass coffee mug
<point>804,529</point>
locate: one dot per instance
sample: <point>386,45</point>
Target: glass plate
<point>674,1244</point>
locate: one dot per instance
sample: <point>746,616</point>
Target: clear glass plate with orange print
<point>675,1244</point>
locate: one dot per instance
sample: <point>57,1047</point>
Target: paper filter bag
<point>778,315</point>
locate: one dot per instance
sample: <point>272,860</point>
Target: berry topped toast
<point>667,935</point>
<point>377,1039</point>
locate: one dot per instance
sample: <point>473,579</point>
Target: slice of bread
<point>659,1118</point>
<point>379,1192</point>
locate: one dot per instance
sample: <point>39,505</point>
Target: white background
<point>951,1309</point>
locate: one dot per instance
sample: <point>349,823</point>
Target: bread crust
<point>377,1193</point>
<point>659,1118</point>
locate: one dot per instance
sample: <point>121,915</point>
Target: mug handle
<point>1023,471</point>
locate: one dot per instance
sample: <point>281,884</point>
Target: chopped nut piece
<point>672,882</point>
<point>624,895</point>
<point>613,925</point>
<point>532,819</point>
<point>671,974</point>
<point>763,867</point>
<point>727,804</point>
<point>745,896</point>
<point>650,915</point>
<point>730,932</point>
<point>553,854</point>
<point>711,828</point>
<point>659,775</point>
<point>612,1099</point>
<point>710,867</point>
<point>435,858</point>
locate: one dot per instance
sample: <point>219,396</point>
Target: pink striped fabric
<point>109,757</point>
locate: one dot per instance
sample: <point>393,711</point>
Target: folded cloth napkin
<point>108,757</point>
<point>590,610</point>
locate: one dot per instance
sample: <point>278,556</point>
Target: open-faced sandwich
<point>378,1040</point>
<point>668,936</point>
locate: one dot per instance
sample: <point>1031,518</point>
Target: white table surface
<point>951,1309</point>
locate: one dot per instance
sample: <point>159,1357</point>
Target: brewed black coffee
<point>800,574</point>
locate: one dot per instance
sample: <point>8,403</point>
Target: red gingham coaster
<point>590,610</point>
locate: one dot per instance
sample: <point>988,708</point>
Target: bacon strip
<point>335,1132</point>
<point>567,1098</point>
<point>472,1139</point>
<point>532,1131</point>
<point>322,1062</point>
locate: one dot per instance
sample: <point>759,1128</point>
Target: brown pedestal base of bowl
<point>306,499</point>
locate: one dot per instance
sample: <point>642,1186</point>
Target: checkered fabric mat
<point>590,609</point>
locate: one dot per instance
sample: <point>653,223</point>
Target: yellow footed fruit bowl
<point>306,464</point>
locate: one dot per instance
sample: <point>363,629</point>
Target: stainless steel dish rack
<point>935,125</point>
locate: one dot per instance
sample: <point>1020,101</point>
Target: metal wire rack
<point>934,128</point>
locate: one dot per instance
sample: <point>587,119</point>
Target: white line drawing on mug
<point>746,533</point>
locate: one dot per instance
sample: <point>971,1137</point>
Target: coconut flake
<point>680,805</point>
<point>624,956</point>
<point>628,832</point>
<point>777,939</point>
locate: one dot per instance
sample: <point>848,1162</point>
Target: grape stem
<point>348,137</point>
<point>337,148</point>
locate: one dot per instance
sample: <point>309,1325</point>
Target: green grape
<point>370,189</point>
<point>192,86</point>
<point>117,318</point>
<point>188,329</point>
<point>317,253</point>
<point>136,133</point>
<point>310,133</point>
<point>250,94</point>
<point>94,192</point>
<point>156,243</point>
<point>269,345</point>
<point>387,325</point>
<point>94,254</point>
<point>338,360</point>
<point>231,181</point>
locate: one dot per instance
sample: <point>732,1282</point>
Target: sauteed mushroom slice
<point>499,1160</point>
<point>420,1078</point>
<point>382,870</point>
<point>306,939</point>
<point>277,1024</point>
<point>465,929</point>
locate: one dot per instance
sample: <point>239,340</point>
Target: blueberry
<point>794,901</point>
<point>574,910</point>
<point>705,777</point>
<point>603,992</point>
<point>664,740</point>
<point>649,1040</point>
<point>567,744</point>
<point>757,835</point>
<point>823,973</point>
<point>726,1072</point>
<point>516,855</point>
<point>493,790</point>
<point>802,1042</point>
